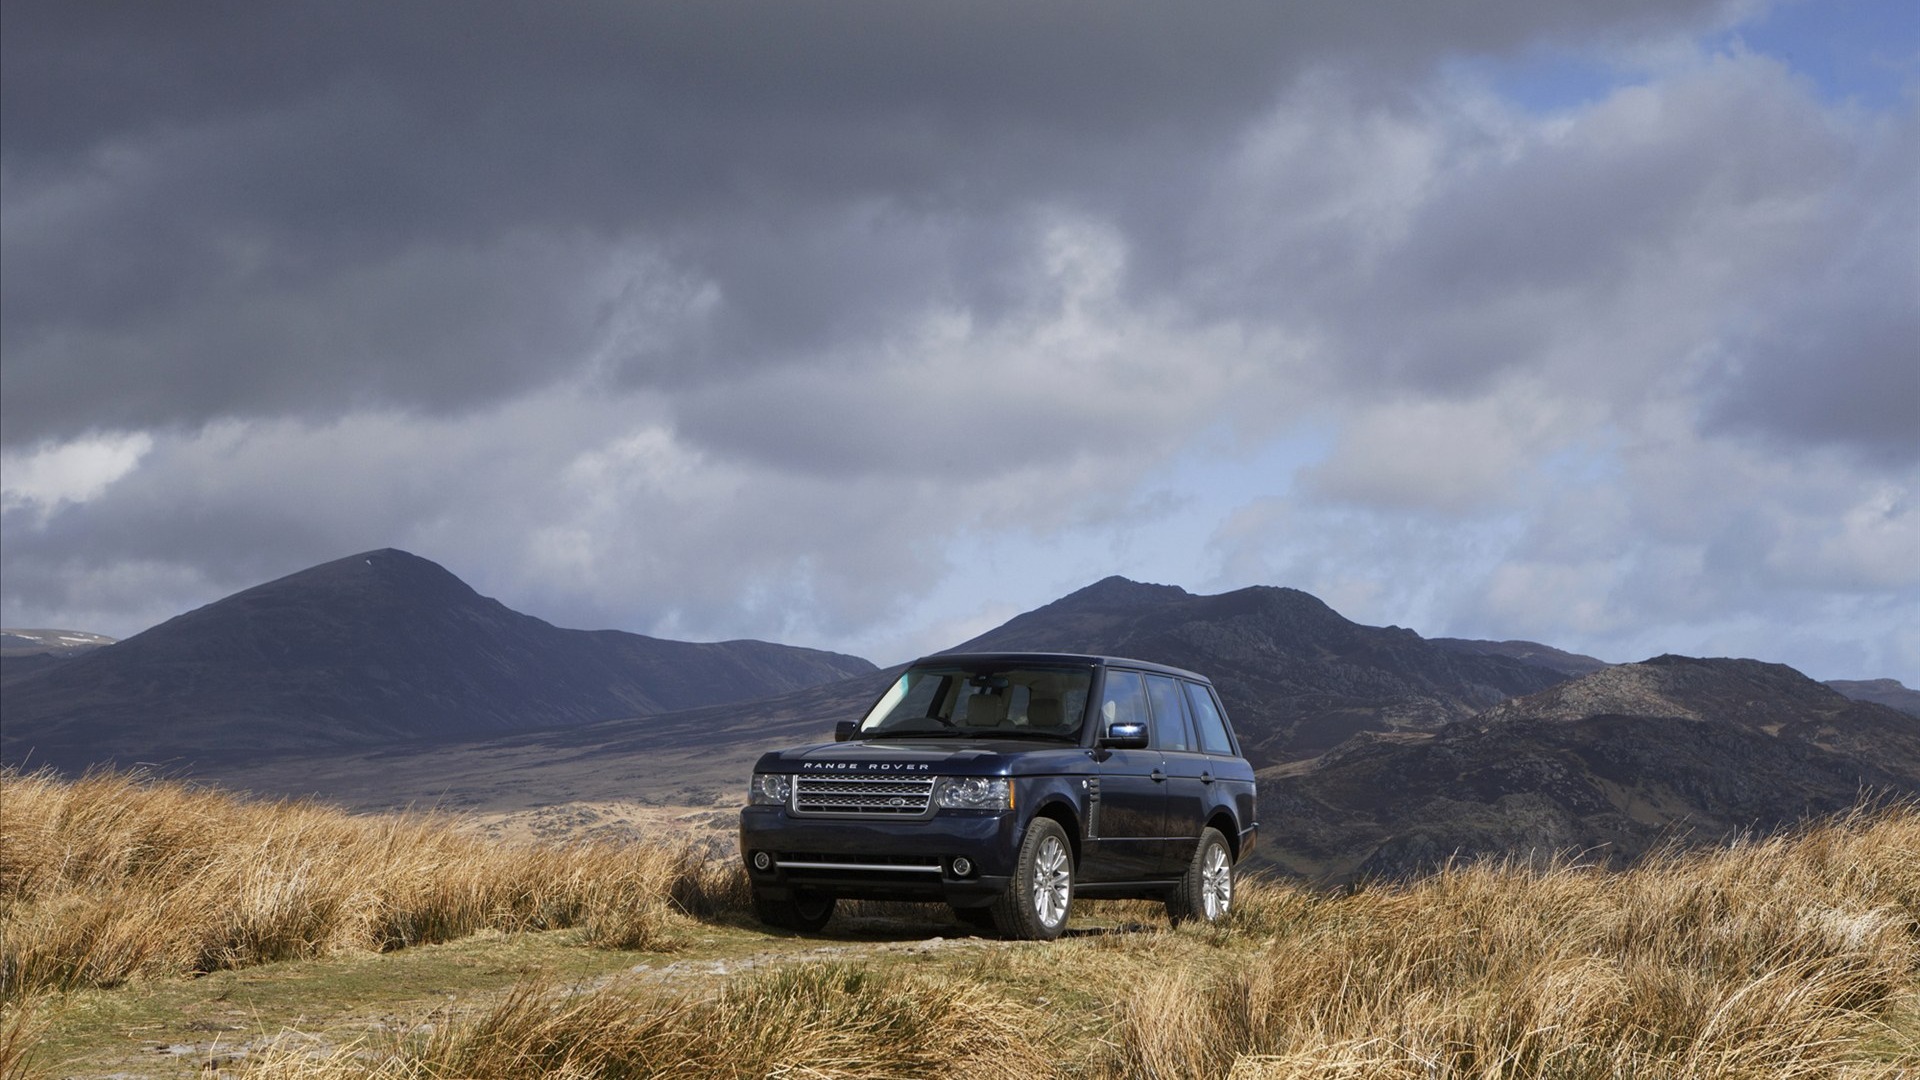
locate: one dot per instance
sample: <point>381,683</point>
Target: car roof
<point>1016,658</point>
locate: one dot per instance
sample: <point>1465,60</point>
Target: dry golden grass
<point>21,1026</point>
<point>112,877</point>
<point>1773,959</point>
<point>816,1020</point>
<point>1796,956</point>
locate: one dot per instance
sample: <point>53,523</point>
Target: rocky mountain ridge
<point>1607,766</point>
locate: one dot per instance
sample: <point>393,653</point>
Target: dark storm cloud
<point>788,319</point>
<point>1849,375</point>
<point>1716,212</point>
<point>78,74</point>
<point>1833,357</point>
<point>225,209</point>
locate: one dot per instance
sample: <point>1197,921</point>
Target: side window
<point>1169,715</point>
<point>1126,700</point>
<point>1207,720</point>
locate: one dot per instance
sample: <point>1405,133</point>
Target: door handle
<point>1206,778</point>
<point>1158,776</point>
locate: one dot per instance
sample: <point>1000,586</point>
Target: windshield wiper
<point>921,733</point>
<point>1024,733</point>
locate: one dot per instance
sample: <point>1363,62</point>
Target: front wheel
<point>805,912</point>
<point>1036,903</point>
<point>1206,889</point>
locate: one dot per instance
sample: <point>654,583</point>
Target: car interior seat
<point>1043,713</point>
<point>986,710</point>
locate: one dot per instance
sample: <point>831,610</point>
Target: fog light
<point>762,861</point>
<point>962,867</point>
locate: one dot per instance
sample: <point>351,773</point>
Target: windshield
<point>982,701</point>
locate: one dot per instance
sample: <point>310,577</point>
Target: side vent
<point>1093,808</point>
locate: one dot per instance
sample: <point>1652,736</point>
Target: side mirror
<point>844,730</point>
<point>1125,735</point>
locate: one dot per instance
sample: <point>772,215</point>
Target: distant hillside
<point>373,648</point>
<point>25,651</point>
<point>1889,692</point>
<point>1609,765</point>
<point>42,642</point>
<point>1297,677</point>
<point>1529,652</point>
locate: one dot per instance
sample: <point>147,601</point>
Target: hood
<point>925,757</point>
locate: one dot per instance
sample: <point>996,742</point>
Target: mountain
<point>1608,765</point>
<point>1381,753</point>
<point>377,647</point>
<point>25,651</point>
<point>1889,692</point>
<point>1529,652</point>
<point>1296,677</point>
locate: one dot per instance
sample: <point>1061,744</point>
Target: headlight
<point>769,789</point>
<point>975,793</point>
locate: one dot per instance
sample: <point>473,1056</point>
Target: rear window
<point>1208,721</point>
<point>1169,716</point>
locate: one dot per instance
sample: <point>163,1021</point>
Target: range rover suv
<point>1005,785</point>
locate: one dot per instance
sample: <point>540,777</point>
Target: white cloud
<point>1450,457</point>
<point>51,476</point>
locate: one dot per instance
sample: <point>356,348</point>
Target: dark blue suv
<point>1005,784</point>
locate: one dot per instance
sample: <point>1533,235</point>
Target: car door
<point>1133,793</point>
<point>1188,770</point>
<point>1232,776</point>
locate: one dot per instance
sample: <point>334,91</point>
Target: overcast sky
<point>868,325</point>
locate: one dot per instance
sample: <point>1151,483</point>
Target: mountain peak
<point>1115,591</point>
<point>376,646</point>
<point>1278,599</point>
<point>1300,676</point>
<point>381,567</point>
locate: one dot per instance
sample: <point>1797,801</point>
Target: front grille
<point>889,795</point>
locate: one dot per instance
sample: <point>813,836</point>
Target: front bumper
<point>880,860</point>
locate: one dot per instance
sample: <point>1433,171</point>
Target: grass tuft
<point>1776,958</point>
<point>817,1020</point>
<point>113,877</point>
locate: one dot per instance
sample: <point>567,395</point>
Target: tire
<point>980,918</point>
<point>805,912</point>
<point>1205,892</point>
<point>1039,899</point>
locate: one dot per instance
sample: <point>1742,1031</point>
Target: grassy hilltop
<point>151,928</point>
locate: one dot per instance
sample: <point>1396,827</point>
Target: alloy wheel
<point>1052,882</point>
<point>1216,883</point>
